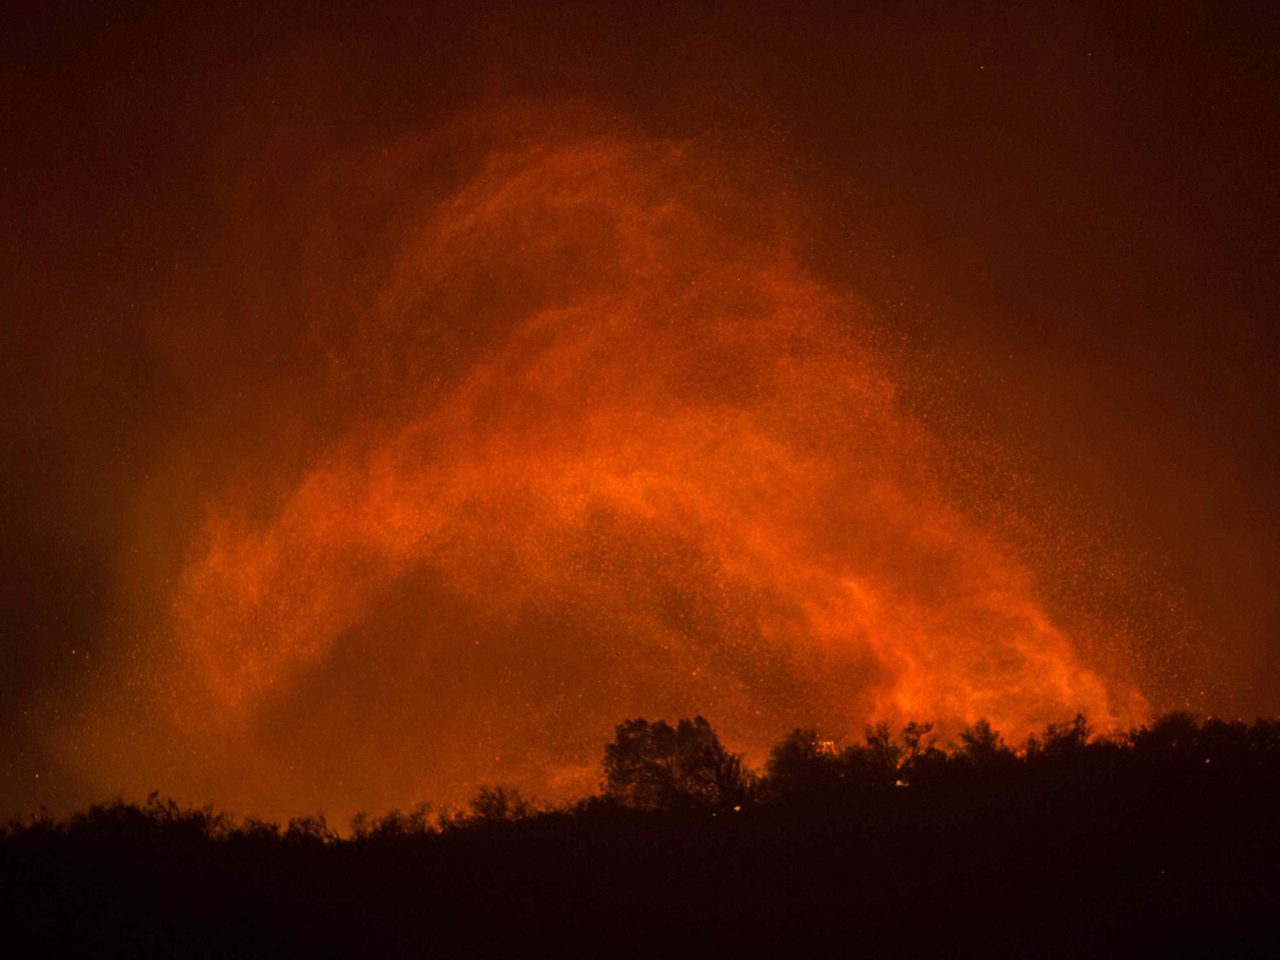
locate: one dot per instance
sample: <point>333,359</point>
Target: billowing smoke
<point>588,441</point>
<point>399,395</point>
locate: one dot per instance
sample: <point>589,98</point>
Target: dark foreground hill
<point>1165,842</point>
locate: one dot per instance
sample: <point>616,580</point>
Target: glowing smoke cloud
<point>657,470</point>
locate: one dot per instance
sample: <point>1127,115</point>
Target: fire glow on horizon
<point>633,459</point>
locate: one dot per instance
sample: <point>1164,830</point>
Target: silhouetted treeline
<point>1165,838</point>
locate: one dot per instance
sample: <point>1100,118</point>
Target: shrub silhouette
<point>1163,840</point>
<point>499,805</point>
<point>1061,740</point>
<point>804,769</point>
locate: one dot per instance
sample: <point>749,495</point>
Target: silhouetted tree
<point>1060,740</point>
<point>1180,813</point>
<point>1173,734</point>
<point>498,805</point>
<point>873,764</point>
<point>802,768</point>
<point>885,761</point>
<point>637,765</point>
<point>310,829</point>
<point>653,766</point>
<point>395,824</point>
<point>706,774</point>
<point>361,825</point>
<point>980,744</point>
<point>258,831</point>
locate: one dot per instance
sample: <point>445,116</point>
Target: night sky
<point>397,396</point>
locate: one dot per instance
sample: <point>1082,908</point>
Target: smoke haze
<point>397,403</point>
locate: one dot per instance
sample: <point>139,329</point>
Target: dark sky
<point>1062,219</point>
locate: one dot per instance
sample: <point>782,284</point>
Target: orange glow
<point>646,464</point>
